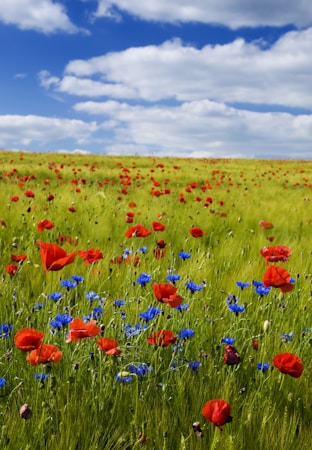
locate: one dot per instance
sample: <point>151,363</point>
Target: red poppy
<point>231,355</point>
<point>90,256</point>
<point>18,258</point>
<point>275,253</point>
<point>72,209</point>
<point>46,353</point>
<point>162,337</point>
<point>278,277</point>
<point>137,231</point>
<point>161,243</point>
<point>3,223</point>
<point>109,346</point>
<point>166,293</point>
<point>29,193</point>
<point>50,197</point>
<point>80,330</point>
<point>54,257</point>
<point>15,198</point>
<point>157,226</point>
<point>265,225</point>
<point>27,339</point>
<point>197,232</point>
<point>289,364</point>
<point>44,225</point>
<point>218,412</point>
<point>11,269</point>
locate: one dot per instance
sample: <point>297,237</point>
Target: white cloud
<point>238,72</point>
<point>231,13</point>
<point>45,16</point>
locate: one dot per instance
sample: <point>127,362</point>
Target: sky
<point>178,78</point>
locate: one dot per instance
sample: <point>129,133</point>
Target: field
<point>163,284</point>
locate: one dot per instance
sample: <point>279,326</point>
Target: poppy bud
<point>25,412</point>
<point>266,325</point>
<point>231,356</point>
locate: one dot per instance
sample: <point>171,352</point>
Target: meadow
<point>134,291</point>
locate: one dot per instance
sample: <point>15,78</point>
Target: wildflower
<point>5,329</point>
<point>278,277</point>
<point>143,279</point>
<point>109,346</point>
<point>14,198</point>
<point>197,232</point>
<point>261,290</point>
<point>265,225</point>
<point>218,412</point>
<point>228,341</point>
<point>193,287</point>
<point>287,337</point>
<point>166,293</point>
<point>25,412</point>
<point>68,284</point>
<point>173,278</point>
<point>79,330</point>
<point>11,269</point>
<point>44,225</point>
<point>78,278</point>
<point>289,364</point>
<point>263,366</point>
<point>44,354</point>
<point>2,382</point>
<point>143,250</point>
<point>29,194</point>
<point>41,376</point>
<point>150,313</point>
<point>96,314</point>
<point>55,296</point>
<point>182,307</point>
<point>118,303</point>
<point>231,299</point>
<point>184,255</point>
<point>242,285</point>
<point>91,295</point>
<point>194,365</point>
<point>157,226</point>
<point>137,231</point>
<point>257,283</point>
<point>266,325</point>
<point>27,339</point>
<point>134,330</point>
<point>186,333</point>
<point>19,258</point>
<point>275,253</point>
<point>162,337</point>
<point>124,377</point>
<point>235,308</point>
<point>231,356</point>
<point>90,256</point>
<point>38,306</point>
<point>54,257</point>
<point>61,320</point>
<point>161,243</point>
<point>140,370</point>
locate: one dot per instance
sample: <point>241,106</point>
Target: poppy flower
<point>197,232</point>
<point>162,337</point>
<point>265,225</point>
<point>18,258</point>
<point>11,269</point>
<point>166,293</point>
<point>44,354</point>
<point>54,257</point>
<point>44,225</point>
<point>157,226</point>
<point>29,194</point>
<point>275,253</point>
<point>15,198</point>
<point>161,243</point>
<point>90,256</point>
<point>80,330</point>
<point>27,339</point>
<point>231,355</point>
<point>289,364</point>
<point>137,231</point>
<point>218,412</point>
<point>109,346</point>
<point>278,277</point>
<point>50,197</point>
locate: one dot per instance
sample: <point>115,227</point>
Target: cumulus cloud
<point>233,14</point>
<point>45,16</point>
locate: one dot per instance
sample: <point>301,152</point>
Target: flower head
<point>109,346</point>
<point>27,339</point>
<point>218,412</point>
<point>80,330</point>
<point>54,257</point>
<point>46,353</point>
<point>143,279</point>
<point>289,364</point>
<point>162,338</point>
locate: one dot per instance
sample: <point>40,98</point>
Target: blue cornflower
<point>150,313</point>
<point>186,333</point>
<point>228,341</point>
<point>262,290</point>
<point>193,287</point>
<point>126,253</point>
<point>144,278</point>
<point>242,285</point>
<point>231,299</point>
<point>91,295</point>
<point>194,365</point>
<point>263,366</point>
<point>182,306</point>
<point>173,278</point>
<point>143,249</point>
<point>38,306</point>
<point>124,378</point>
<point>5,329</point>
<point>119,303</point>
<point>68,284</point>
<point>2,382</point>
<point>235,308</point>
<point>257,283</point>
<point>141,370</point>
<point>184,255</point>
<point>287,337</point>
<point>134,330</point>
<point>78,278</point>
<point>61,320</point>
<point>56,296</point>
<point>96,314</point>
<point>41,376</point>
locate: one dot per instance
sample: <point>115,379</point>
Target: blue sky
<point>212,78</point>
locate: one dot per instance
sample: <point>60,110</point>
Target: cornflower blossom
<point>55,296</point>
<point>2,382</point>
<point>141,370</point>
<point>231,299</point>
<point>143,249</point>
<point>235,308</point>
<point>257,283</point>
<point>144,278</point>
<point>119,303</point>
<point>61,320</point>
<point>186,333</point>
<point>228,341</point>
<point>193,287</point>
<point>96,314</point>
<point>68,284</point>
<point>287,337</point>
<point>78,278</point>
<point>126,253</point>
<point>182,307</point>
<point>91,295</point>
<point>263,366</point>
<point>242,285</point>
<point>133,330</point>
<point>41,376</point>
<point>194,365</point>
<point>173,278</point>
<point>38,306</point>
<point>5,330</point>
<point>150,313</point>
<point>262,290</point>
<point>124,378</point>
<point>184,255</point>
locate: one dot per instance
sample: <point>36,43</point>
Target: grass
<point>81,405</point>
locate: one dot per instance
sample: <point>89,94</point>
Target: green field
<point>149,395</point>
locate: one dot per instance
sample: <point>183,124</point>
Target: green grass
<point>82,405</point>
